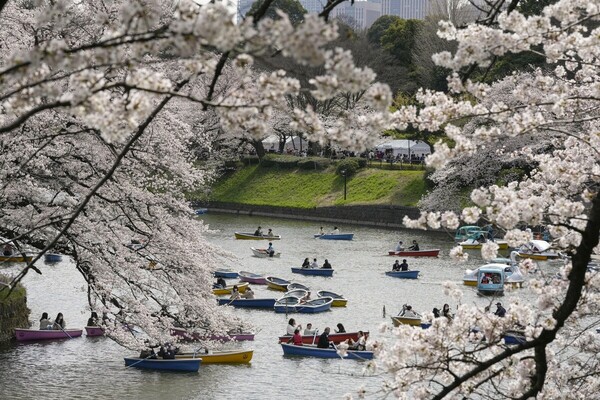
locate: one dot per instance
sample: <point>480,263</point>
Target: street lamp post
<point>343,172</point>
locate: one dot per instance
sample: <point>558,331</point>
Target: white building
<point>362,13</point>
<point>404,147</point>
<point>405,9</point>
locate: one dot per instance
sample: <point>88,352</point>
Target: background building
<point>360,15</point>
<point>405,9</point>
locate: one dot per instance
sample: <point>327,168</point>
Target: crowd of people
<point>314,264</point>
<point>58,324</point>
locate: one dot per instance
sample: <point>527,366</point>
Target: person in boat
<point>309,330</point>
<point>235,293</point>
<point>291,327</point>
<point>404,265</point>
<point>168,351</point>
<point>8,249</point>
<point>396,266</point>
<point>305,299</point>
<point>45,322</point>
<point>321,231</point>
<point>500,311</point>
<point>446,312</point>
<point>314,264</point>
<point>59,323</point>
<point>485,279</point>
<point>360,344</point>
<point>481,238</point>
<point>270,250</point>
<point>306,263</point>
<point>220,282</point>
<point>297,338</point>
<point>93,319</point>
<point>400,246</point>
<point>248,294</point>
<point>415,246</point>
<point>258,232</point>
<point>326,265</point>
<point>324,339</point>
<point>270,232</point>
<point>148,354</point>
<point>340,328</point>
<point>408,312</point>
<point>335,231</point>
<point>436,312</point>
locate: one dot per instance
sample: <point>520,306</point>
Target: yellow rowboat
<point>339,303</point>
<point>221,357</point>
<point>471,244</point>
<point>16,258</point>
<point>538,256</point>
<point>413,321</point>
<point>338,299</point>
<point>242,286</point>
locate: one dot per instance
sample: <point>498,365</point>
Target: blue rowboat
<point>297,286</point>
<point>159,364</point>
<point>339,236</point>
<point>200,211</point>
<point>414,274</point>
<point>313,271</point>
<point>52,257</point>
<point>286,304</point>
<point>226,274</point>
<point>512,337</point>
<point>313,351</point>
<point>315,306</point>
<point>248,303</point>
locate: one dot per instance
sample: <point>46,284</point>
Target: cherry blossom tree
<point>557,107</point>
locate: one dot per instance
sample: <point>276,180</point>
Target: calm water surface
<point>84,367</point>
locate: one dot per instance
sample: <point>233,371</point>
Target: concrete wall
<point>384,216</point>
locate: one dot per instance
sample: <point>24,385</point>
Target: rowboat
<point>473,244</point>
<point>313,351</point>
<point>37,334</point>
<point>248,303</point>
<point>338,299</point>
<point>400,320</point>
<point>514,337</point>
<point>262,253</point>
<point>415,253</point>
<point>296,286</point>
<point>537,250</point>
<point>16,258</point>
<point>257,279</point>
<point>333,337</point>
<point>225,273</point>
<point>192,336</point>
<point>297,293</point>
<point>277,283</point>
<point>227,289</point>
<point>200,211</point>
<point>331,236</point>
<point>52,257</point>
<point>220,357</point>
<point>94,331</point>
<point>313,271</point>
<point>413,274</point>
<point>315,306</point>
<point>286,304</point>
<point>490,280</point>
<point>159,364</point>
<point>251,236</point>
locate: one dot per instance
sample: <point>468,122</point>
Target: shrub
<point>279,161</point>
<point>349,165</point>
<point>362,162</point>
<point>314,163</point>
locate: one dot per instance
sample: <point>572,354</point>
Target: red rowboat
<point>415,253</point>
<point>37,334</point>
<point>333,337</point>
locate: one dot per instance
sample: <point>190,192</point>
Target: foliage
<point>399,40</point>
<point>379,27</point>
<point>279,161</point>
<point>347,167</point>
<point>314,163</point>
<point>293,8</point>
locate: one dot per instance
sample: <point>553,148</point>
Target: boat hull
<point>222,273</point>
<point>184,365</point>
<point>338,300</point>
<point>403,274</point>
<point>513,338</point>
<point>340,236</point>
<point>313,271</point>
<point>250,236</point>
<point>15,258</point>
<point>248,303</point>
<point>252,278</point>
<point>470,282</point>
<point>397,321</point>
<point>24,335</point>
<point>94,331</point>
<point>262,253</point>
<point>194,336</point>
<point>415,253</point>
<point>539,256</point>
<point>502,245</point>
<point>52,258</point>
<point>277,284</point>
<point>333,337</point>
<point>221,357</point>
<point>227,290</point>
<point>310,351</point>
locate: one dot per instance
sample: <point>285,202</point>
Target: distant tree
<point>292,8</point>
<point>399,40</point>
<point>376,31</point>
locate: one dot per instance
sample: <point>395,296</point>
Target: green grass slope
<point>308,189</point>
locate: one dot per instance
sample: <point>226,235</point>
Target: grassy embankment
<point>13,311</point>
<point>300,188</point>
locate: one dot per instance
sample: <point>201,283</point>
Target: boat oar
<point>315,336</point>
<point>336,349</point>
<point>65,332</point>
<point>143,359</point>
